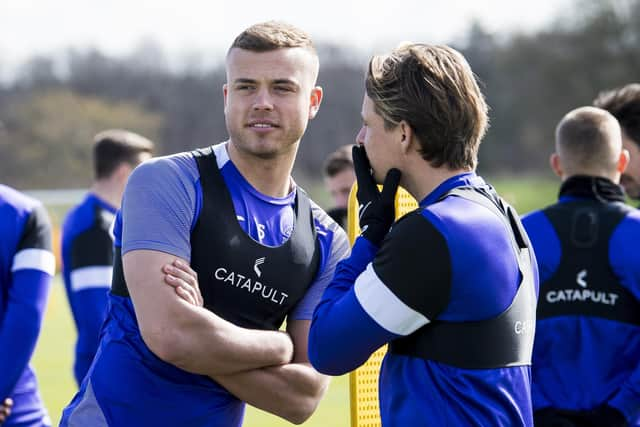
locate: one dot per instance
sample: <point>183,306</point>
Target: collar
<point>467,178</point>
<point>590,187</point>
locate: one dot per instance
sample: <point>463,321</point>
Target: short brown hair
<point>624,104</point>
<point>338,161</point>
<point>434,90</point>
<point>113,147</point>
<point>272,35</point>
<point>588,141</point>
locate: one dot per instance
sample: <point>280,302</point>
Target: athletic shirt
<point>87,262</point>
<point>162,203</point>
<point>26,268</point>
<point>452,262</point>
<point>587,346</point>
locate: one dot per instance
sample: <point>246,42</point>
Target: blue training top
<point>129,385</point>
<point>377,296</point>
<point>582,361</point>
<point>26,268</point>
<point>87,262</point>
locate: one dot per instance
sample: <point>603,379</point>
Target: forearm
<point>90,310</point>
<point>342,335</point>
<point>189,337</point>
<point>206,344</point>
<point>18,338</point>
<point>21,325</point>
<point>290,391</point>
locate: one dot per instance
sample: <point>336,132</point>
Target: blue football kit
<point>87,264</point>
<point>245,247</point>
<point>587,346</point>
<point>27,266</point>
<point>452,290</point>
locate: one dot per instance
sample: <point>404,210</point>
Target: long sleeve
<point>31,272</point>
<point>339,322</point>
<point>373,298</point>
<point>90,280</point>
<point>21,325</point>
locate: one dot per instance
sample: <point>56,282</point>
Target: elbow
<point>325,359</point>
<point>329,367</point>
<point>298,416</point>
<point>165,344</point>
<point>305,405</point>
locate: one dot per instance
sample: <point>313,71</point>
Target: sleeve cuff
<point>362,253</point>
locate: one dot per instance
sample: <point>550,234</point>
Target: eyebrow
<point>242,80</point>
<point>275,82</point>
<point>285,81</point>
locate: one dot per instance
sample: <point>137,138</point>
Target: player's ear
<point>623,161</point>
<point>406,136</point>
<point>314,101</point>
<point>225,93</point>
<point>556,164</point>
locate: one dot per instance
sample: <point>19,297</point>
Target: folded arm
<point>190,337</point>
<point>290,391</point>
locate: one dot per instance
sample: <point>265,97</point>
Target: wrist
<point>375,233</point>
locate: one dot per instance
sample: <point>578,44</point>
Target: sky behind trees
<point>35,27</point>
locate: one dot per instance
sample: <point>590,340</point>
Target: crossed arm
<point>191,337</point>
<point>267,369</point>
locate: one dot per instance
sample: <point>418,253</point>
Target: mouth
<point>262,124</point>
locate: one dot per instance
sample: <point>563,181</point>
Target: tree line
<point>51,110</point>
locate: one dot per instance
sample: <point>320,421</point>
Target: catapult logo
<point>581,278</point>
<point>247,284</point>
<point>582,294</point>
<point>257,264</point>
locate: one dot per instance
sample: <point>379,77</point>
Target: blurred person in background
<point>624,104</point>
<point>87,243</point>
<point>586,357</point>
<point>339,177</point>
<point>451,287</point>
<point>229,221</point>
<point>27,266</point>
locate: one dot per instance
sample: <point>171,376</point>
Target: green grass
<point>527,194</point>
<point>53,357</point>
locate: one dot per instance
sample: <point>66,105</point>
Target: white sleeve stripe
<point>34,259</point>
<point>91,277</point>
<point>384,307</point>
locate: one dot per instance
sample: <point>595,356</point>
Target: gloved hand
<point>376,210</point>
<point>607,416</point>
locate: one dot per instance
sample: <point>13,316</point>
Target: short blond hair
<point>272,35</point>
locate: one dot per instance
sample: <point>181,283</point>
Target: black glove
<point>607,416</point>
<point>376,210</point>
<point>550,417</point>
